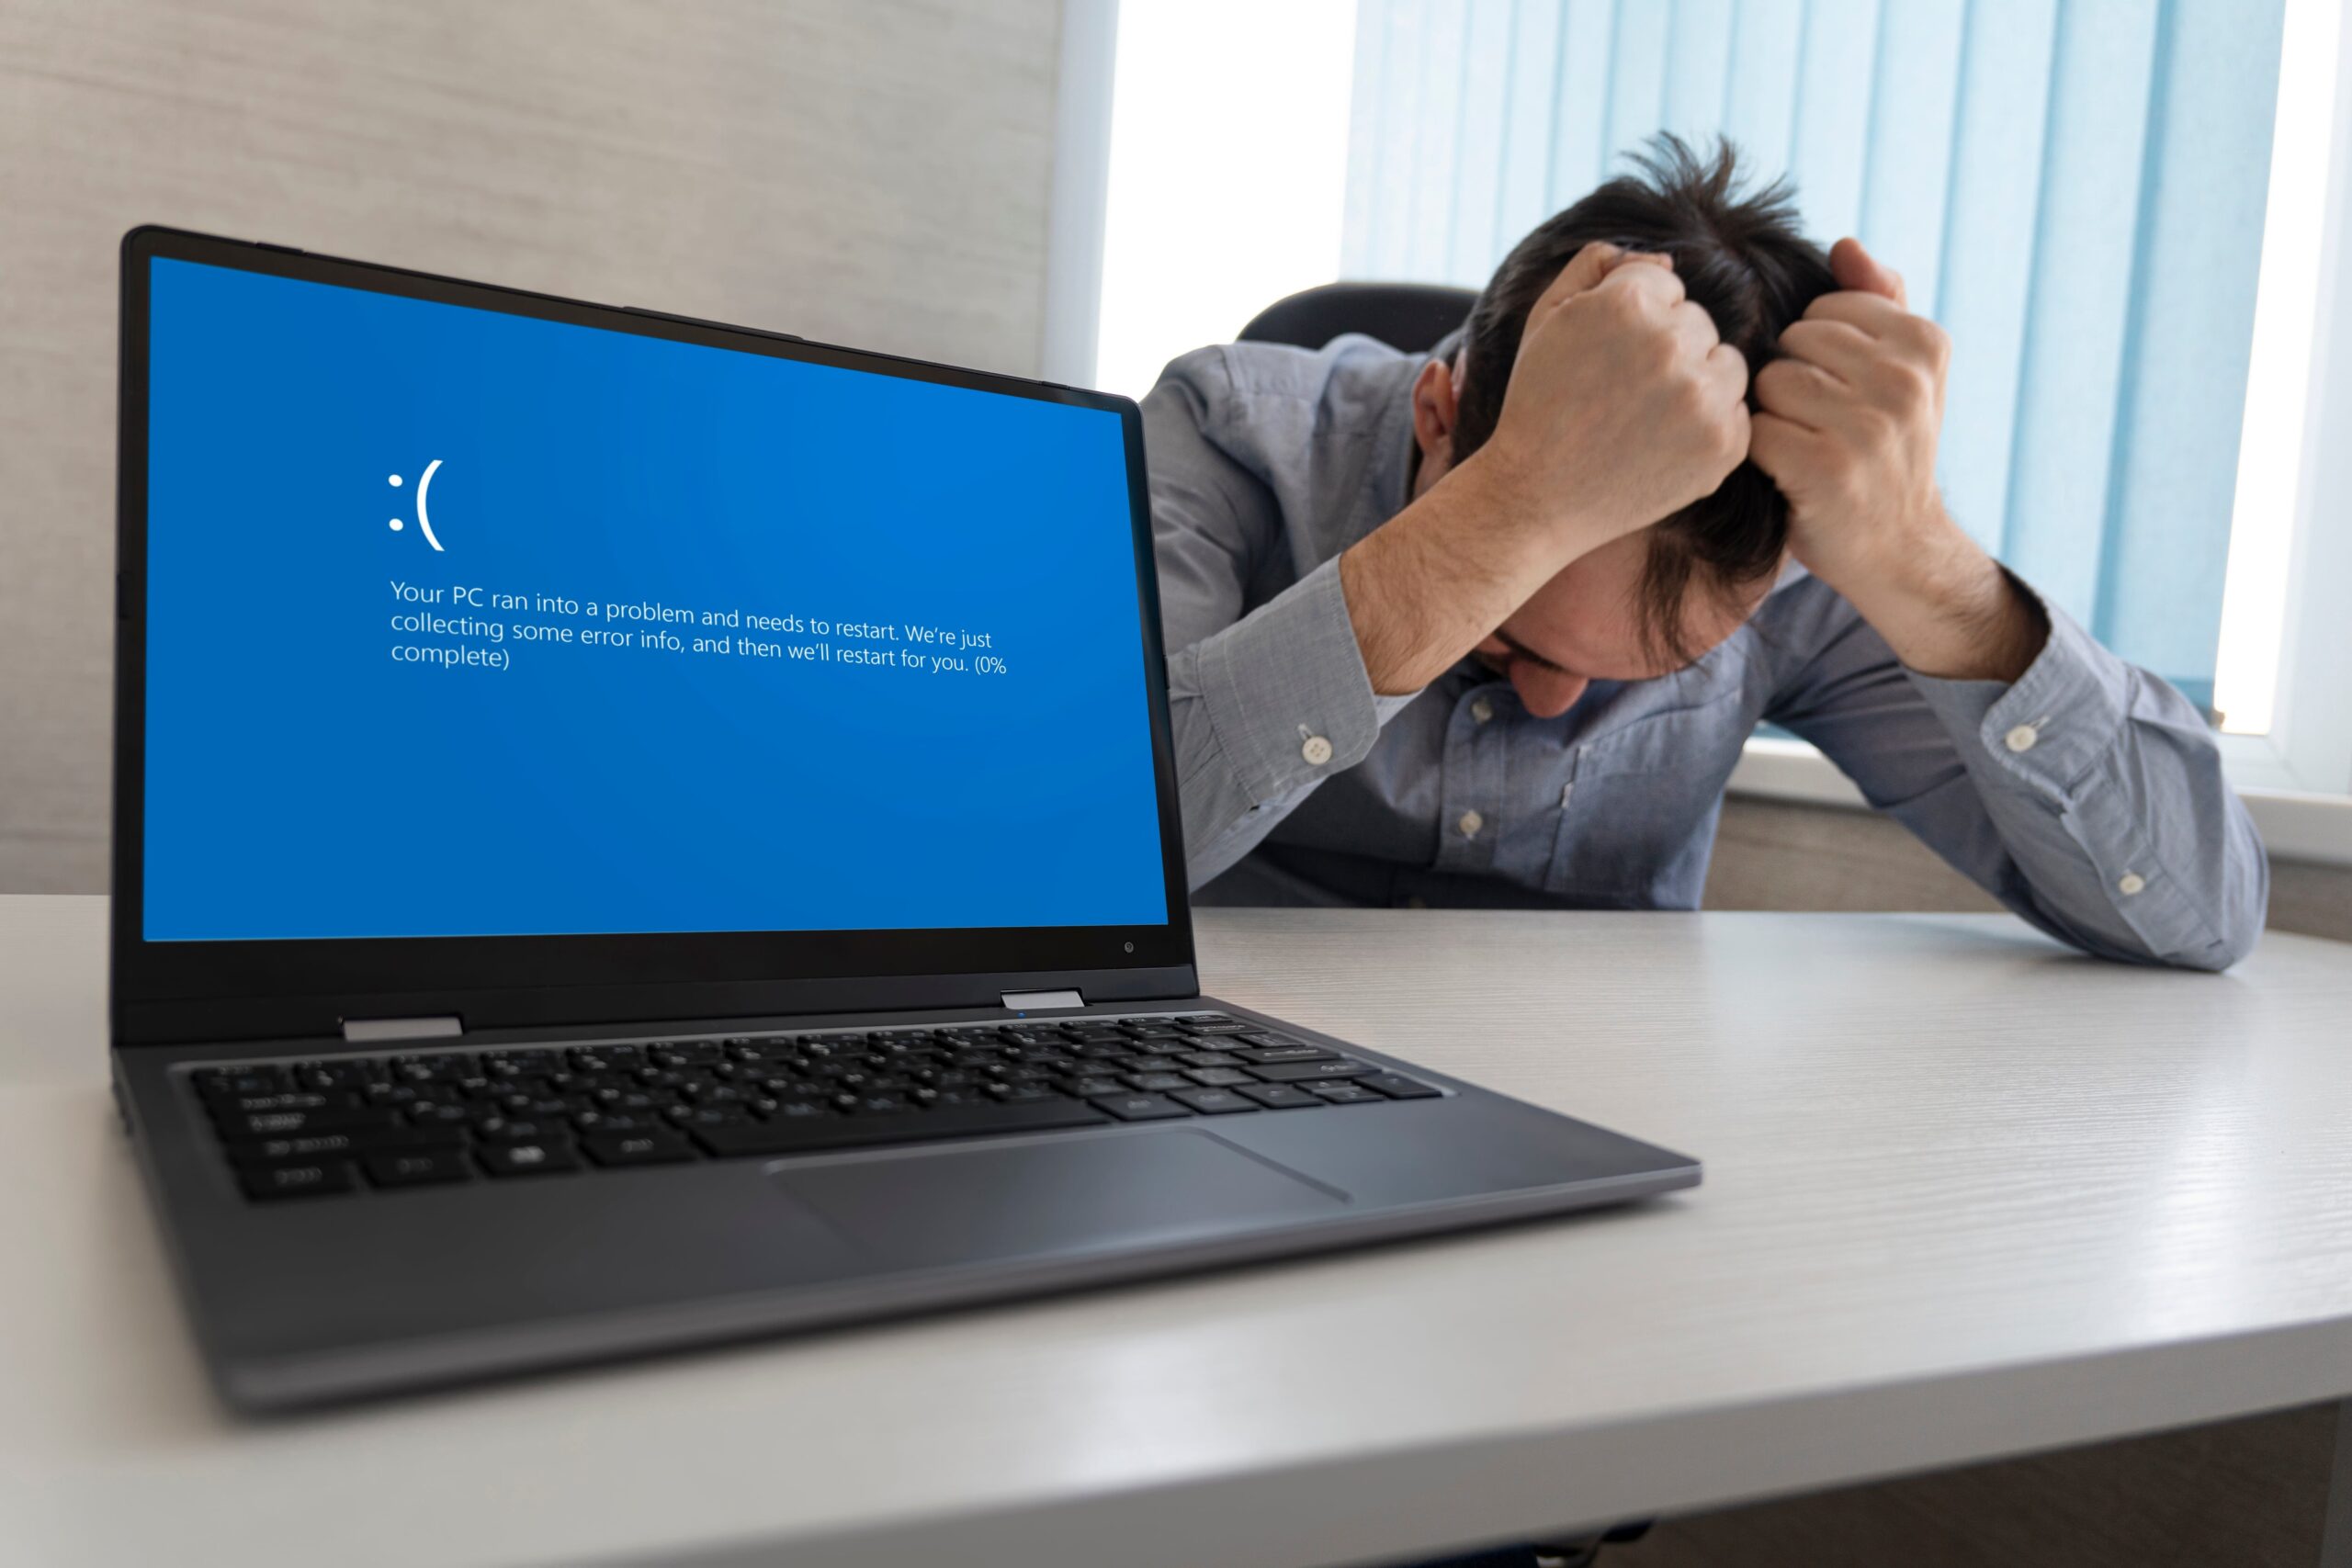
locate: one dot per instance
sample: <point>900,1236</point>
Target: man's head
<point>1655,600</point>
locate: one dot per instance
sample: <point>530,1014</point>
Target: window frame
<point>2295,779</point>
<point>2308,747</point>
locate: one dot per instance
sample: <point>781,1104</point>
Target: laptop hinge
<point>1037,1001</point>
<point>364,1029</point>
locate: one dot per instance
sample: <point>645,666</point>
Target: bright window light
<point>2270,447</point>
<point>1229,172</point>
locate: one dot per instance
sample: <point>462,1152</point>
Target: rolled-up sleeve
<point>1265,700</point>
<point>2088,794</point>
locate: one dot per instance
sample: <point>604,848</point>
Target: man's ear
<point>1437,410</point>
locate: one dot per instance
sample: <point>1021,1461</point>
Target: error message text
<point>471,626</point>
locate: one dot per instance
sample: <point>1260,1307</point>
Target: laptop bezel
<point>186,992</point>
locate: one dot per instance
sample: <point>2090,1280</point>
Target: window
<point>2125,212</point>
<point>1228,169</point>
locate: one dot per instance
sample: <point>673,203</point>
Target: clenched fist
<point>1846,423</point>
<point>1625,406</point>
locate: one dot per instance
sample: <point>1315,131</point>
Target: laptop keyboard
<point>350,1124</point>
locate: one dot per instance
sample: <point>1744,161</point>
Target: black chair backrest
<point>1408,317</point>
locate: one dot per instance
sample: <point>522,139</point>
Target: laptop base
<point>343,1297</point>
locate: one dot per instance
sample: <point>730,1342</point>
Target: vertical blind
<point>2074,188</point>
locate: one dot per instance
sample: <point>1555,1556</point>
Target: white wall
<point>868,170</point>
<point>1229,172</point>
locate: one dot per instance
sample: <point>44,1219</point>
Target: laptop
<point>634,833</point>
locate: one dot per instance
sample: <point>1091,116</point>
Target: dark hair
<point>1742,260</point>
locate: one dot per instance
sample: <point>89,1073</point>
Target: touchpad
<point>938,1207</point>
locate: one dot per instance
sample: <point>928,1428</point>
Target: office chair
<point>1410,317</point>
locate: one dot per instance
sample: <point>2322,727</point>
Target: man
<point>1491,627</point>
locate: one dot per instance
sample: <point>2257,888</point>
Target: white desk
<point>1966,1195</point>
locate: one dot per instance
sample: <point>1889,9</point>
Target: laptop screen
<point>463,622</point>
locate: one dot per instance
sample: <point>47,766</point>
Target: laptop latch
<point>367,1030</point>
<point>1040,1001</point>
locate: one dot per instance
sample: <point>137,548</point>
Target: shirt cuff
<point>2052,726</point>
<point>1286,692</point>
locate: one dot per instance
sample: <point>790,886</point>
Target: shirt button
<point>1316,750</point>
<point>2021,739</point>
<point>1470,822</point>
<point>2129,884</point>
<point>1482,710</point>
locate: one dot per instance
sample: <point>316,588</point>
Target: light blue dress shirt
<point>2088,795</point>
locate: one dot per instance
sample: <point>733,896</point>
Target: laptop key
<point>1304,1072</point>
<point>688,1118</point>
<point>1156,1083</point>
<point>1282,1096</point>
<point>1140,1107</point>
<point>1266,1055</point>
<point>1345,1093</point>
<point>1397,1086</point>
<point>607,1122</point>
<point>284,1123</point>
<point>300,1179</point>
<point>636,1148</point>
<point>417,1167</point>
<point>509,1130</point>
<point>307,1147</point>
<point>290,1100</point>
<point>1218,1077</point>
<point>228,1083</point>
<point>543,1157</point>
<point>1212,1101</point>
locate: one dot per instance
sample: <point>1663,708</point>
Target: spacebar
<point>855,1132</point>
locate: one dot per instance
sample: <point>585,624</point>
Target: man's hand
<point>1624,406</point>
<point>1846,425</point>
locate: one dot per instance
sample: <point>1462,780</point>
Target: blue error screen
<point>469,624</point>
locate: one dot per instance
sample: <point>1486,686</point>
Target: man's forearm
<point>1949,611</point>
<point>1425,587</point>
<point>1624,406</point>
